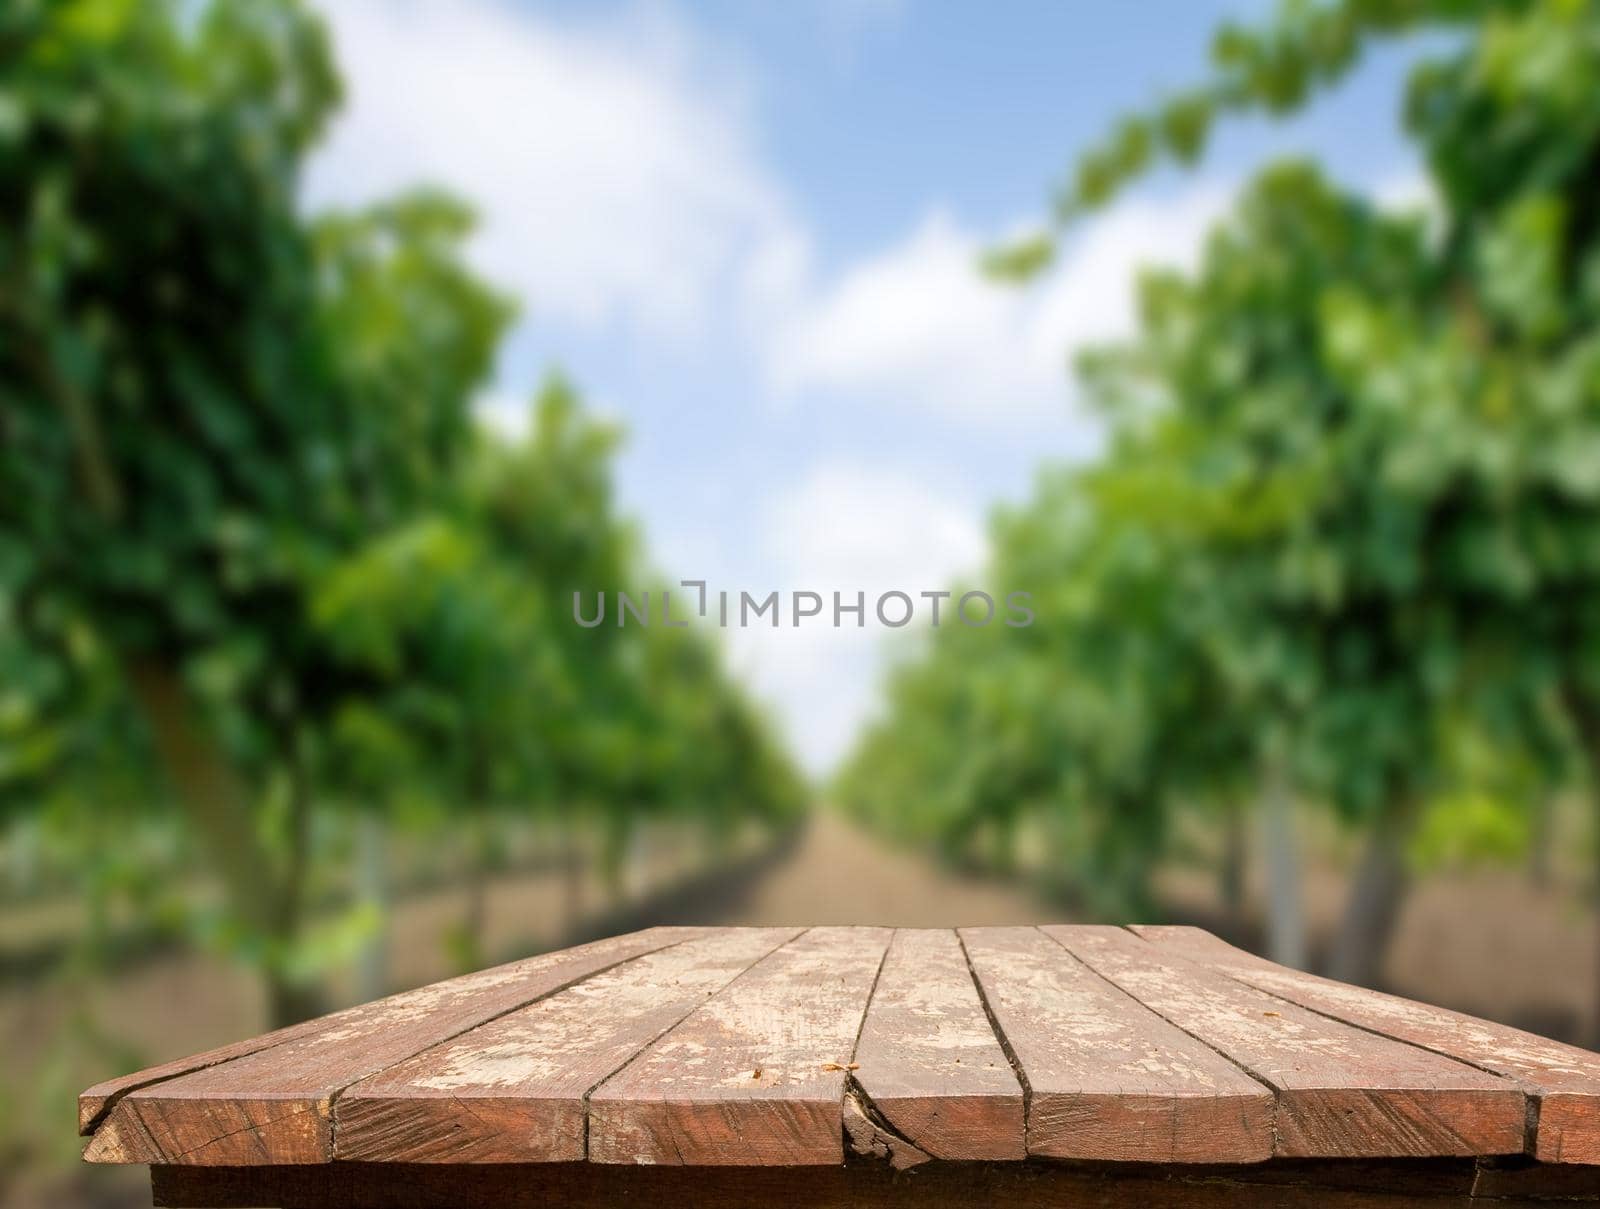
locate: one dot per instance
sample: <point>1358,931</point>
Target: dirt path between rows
<point>840,874</point>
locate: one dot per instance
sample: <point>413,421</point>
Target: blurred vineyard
<point>1340,556</point>
<point>286,633</point>
<point>294,711</point>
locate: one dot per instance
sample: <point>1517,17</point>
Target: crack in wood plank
<point>871,1135</point>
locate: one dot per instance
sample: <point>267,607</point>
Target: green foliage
<point>1277,68</point>
<point>258,560</point>
<point>1020,260</point>
<point>1348,509</point>
<point>1470,829</point>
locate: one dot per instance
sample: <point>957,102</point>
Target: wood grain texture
<point>275,1105</point>
<point>1107,1078</point>
<point>1563,1078</point>
<point>928,1059</point>
<point>707,1049</point>
<point>95,1102</point>
<point>1285,1184</point>
<point>871,1139</point>
<point>757,1075</point>
<point>514,1090</point>
<point>1342,1092</point>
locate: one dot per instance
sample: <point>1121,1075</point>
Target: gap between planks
<point>756,1075</point>
<point>1562,1082</point>
<point>517,1089</point>
<point>876,1137</point>
<point>1003,1041</point>
<point>799,935</point>
<point>928,1060</point>
<point>1340,1091</point>
<point>1531,1091</point>
<point>1272,1122</point>
<point>124,1136</point>
<point>850,1084</point>
<point>333,1100</point>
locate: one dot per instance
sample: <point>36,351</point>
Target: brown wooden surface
<point>95,1102</point>
<point>1107,1077</point>
<point>1341,1092</point>
<point>275,1105</point>
<point>908,1052</point>
<point>1287,1184</point>
<point>1564,1079</point>
<point>928,1060</point>
<point>757,1075</point>
<point>515,1090</point>
<point>870,1136</point>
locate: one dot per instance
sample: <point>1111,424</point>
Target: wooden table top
<point>784,1047</point>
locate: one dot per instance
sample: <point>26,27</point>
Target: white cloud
<point>849,526</point>
<point>822,683</point>
<point>503,414</point>
<point>919,328</point>
<point>1408,192</point>
<point>617,179</point>
<point>610,163</point>
<point>509,415</point>
<point>621,189</point>
<point>853,524</point>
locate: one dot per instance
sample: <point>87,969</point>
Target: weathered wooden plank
<point>513,1090</point>
<point>1155,1046</point>
<point>1563,1078</point>
<point>1286,1184</point>
<point>275,1105</point>
<point>870,1139</point>
<point>1107,1078</point>
<point>1342,1092</point>
<point>757,1075</point>
<point>928,1060</point>
<point>96,1101</point>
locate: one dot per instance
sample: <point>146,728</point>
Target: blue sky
<point>748,231</point>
